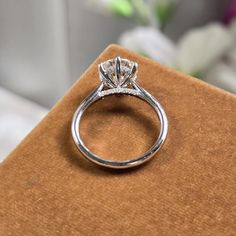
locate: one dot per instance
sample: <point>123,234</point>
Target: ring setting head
<point>118,72</point>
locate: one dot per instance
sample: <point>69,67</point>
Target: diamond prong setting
<point>118,72</point>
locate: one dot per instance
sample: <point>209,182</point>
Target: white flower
<point>223,73</point>
<point>200,48</point>
<point>232,53</point>
<point>150,42</point>
<point>209,51</point>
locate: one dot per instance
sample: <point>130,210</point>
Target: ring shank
<point>98,94</point>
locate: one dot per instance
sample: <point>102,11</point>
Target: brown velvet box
<point>189,188</point>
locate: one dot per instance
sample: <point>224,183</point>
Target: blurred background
<point>46,45</point>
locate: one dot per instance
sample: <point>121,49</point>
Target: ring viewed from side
<point>118,76</point>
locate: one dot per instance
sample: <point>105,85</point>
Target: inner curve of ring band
<point>97,95</point>
<point>122,105</point>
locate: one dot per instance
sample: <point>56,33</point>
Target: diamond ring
<point>118,76</point>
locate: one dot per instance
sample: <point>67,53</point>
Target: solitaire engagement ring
<point>118,76</point>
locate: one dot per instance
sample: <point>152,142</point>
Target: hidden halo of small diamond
<point>118,72</point>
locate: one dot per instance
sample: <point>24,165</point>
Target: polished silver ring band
<point>118,76</point>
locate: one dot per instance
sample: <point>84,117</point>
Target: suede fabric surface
<point>189,188</point>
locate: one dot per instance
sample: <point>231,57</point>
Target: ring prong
<point>134,69</point>
<point>132,73</point>
<point>117,67</point>
<point>104,74</point>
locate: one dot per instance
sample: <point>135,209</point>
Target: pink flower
<point>230,13</point>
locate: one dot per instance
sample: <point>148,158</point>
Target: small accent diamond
<point>117,91</point>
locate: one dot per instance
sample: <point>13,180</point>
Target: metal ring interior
<point>98,94</point>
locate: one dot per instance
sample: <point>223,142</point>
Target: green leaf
<point>121,7</point>
<point>141,9</point>
<point>142,53</point>
<point>164,11</point>
<point>196,74</point>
